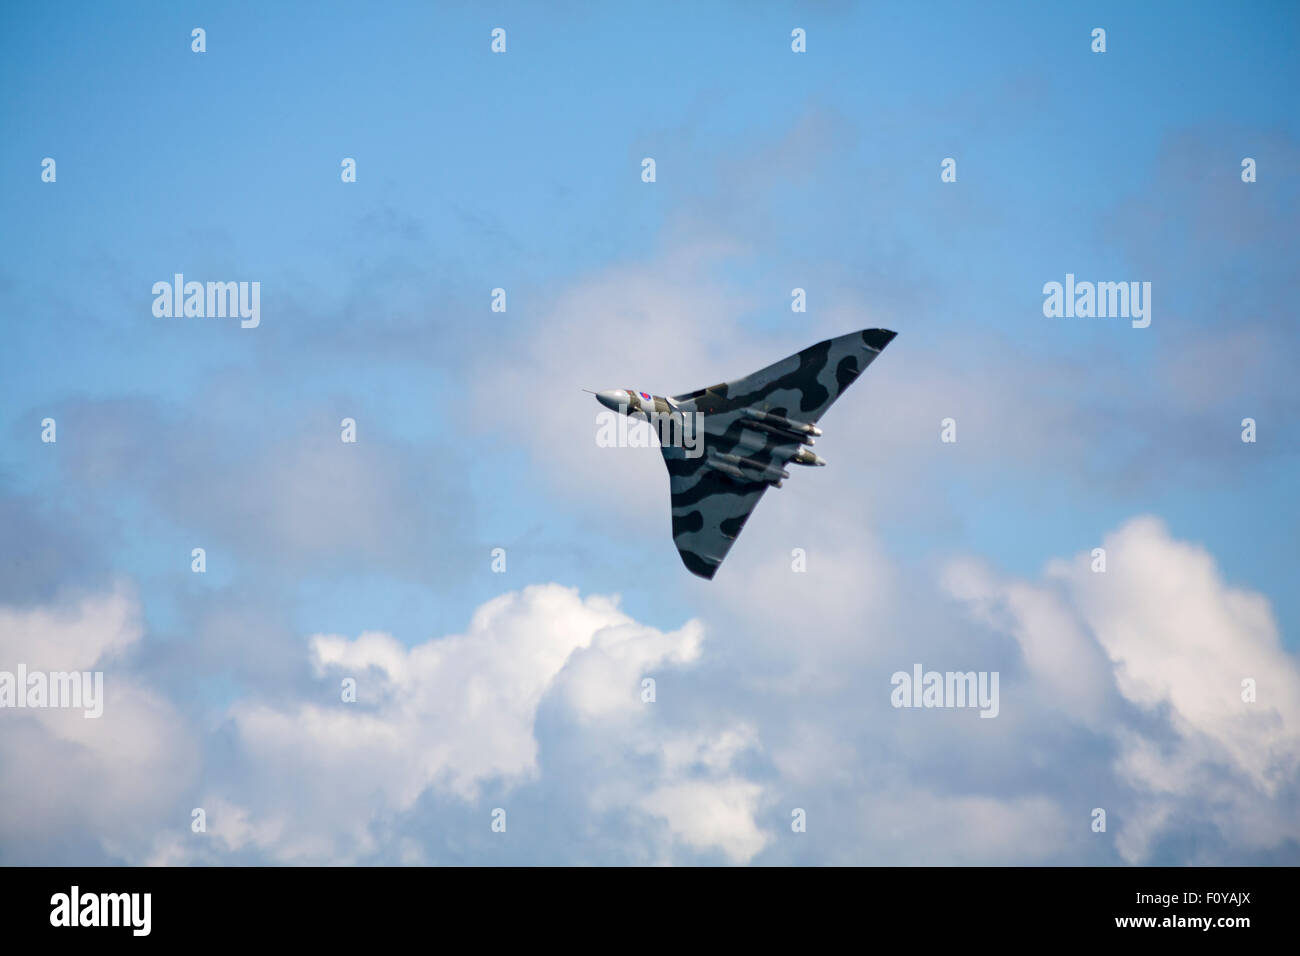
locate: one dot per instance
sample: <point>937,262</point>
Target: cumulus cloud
<point>115,777</point>
<point>455,715</point>
<point>450,712</point>
<point>1120,689</point>
<point>1162,629</point>
<point>705,814</point>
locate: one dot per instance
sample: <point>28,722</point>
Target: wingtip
<point>877,339</point>
<point>698,565</point>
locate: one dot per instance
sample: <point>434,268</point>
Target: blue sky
<point>522,171</point>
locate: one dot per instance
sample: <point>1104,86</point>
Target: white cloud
<point>70,637</point>
<point>1181,637</point>
<point>709,814</point>
<point>116,776</point>
<point>1120,690</point>
<point>452,715</point>
<point>1178,641</point>
<point>1069,670</point>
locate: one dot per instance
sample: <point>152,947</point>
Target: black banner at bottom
<point>335,905</point>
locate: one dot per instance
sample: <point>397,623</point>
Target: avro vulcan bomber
<point>751,429</point>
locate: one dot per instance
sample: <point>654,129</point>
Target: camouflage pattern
<point>753,428</point>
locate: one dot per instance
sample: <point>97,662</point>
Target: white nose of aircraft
<point>613,398</point>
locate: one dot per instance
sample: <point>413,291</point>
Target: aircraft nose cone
<point>613,398</point>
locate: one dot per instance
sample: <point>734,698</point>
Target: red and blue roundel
<point>644,395</point>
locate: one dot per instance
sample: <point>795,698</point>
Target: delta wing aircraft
<point>751,428</point>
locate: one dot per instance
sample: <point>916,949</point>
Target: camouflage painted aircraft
<point>752,427</point>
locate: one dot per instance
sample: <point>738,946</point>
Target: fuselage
<point>751,431</point>
<point>635,403</point>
